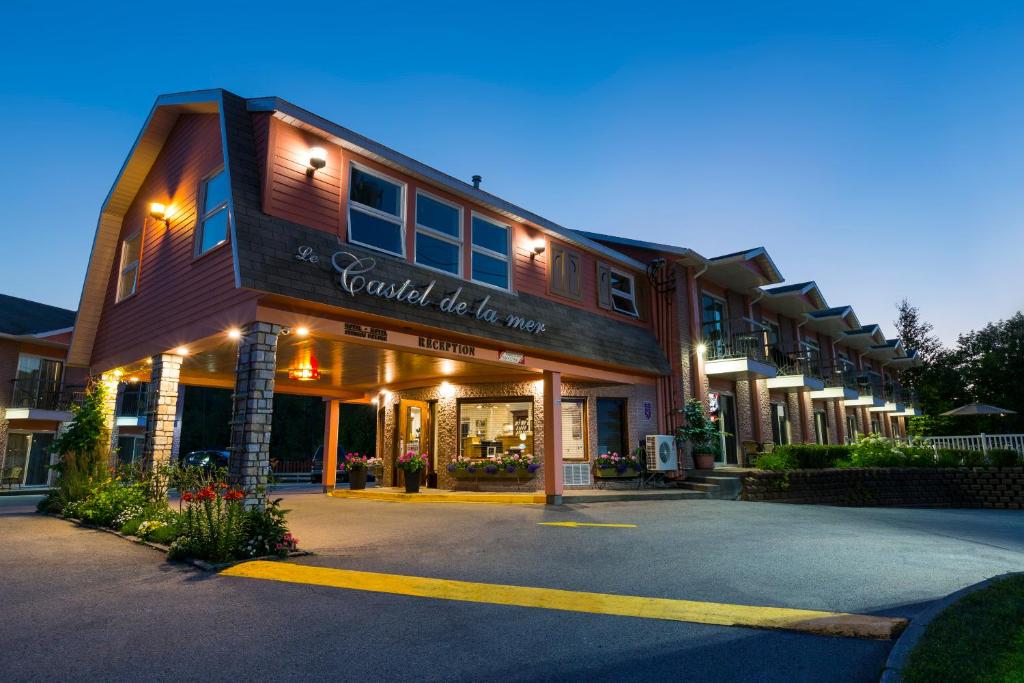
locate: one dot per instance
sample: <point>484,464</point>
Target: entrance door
<point>820,428</point>
<point>38,460</point>
<point>17,458</point>
<point>727,427</point>
<point>414,435</point>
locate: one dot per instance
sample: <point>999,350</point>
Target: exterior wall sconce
<point>159,212</point>
<point>317,159</point>
<point>537,247</point>
<point>305,373</point>
<point>702,349</point>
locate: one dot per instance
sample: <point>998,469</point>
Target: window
<point>37,384</point>
<point>438,234</point>
<point>494,427</point>
<point>128,280</point>
<point>213,221</point>
<point>376,211</point>
<point>820,427</point>
<point>780,424</point>
<point>851,429</point>
<point>611,426</point>
<point>564,271</point>
<point>129,449</point>
<point>616,290</point>
<point>574,433</point>
<point>490,252</point>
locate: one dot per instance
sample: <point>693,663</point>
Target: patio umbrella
<point>979,409</point>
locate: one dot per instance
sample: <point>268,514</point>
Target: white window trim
<point>122,267</point>
<point>377,213</point>
<point>474,249</point>
<point>635,313</point>
<point>205,215</point>
<point>437,234</point>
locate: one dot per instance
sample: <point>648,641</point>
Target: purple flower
<point>510,468</point>
<point>532,468</point>
<point>451,467</point>
<point>471,469</point>
<point>491,469</point>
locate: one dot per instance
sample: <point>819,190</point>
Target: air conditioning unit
<point>661,453</point>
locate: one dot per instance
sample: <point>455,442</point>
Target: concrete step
<point>699,486</point>
<point>714,486</point>
<point>612,496</point>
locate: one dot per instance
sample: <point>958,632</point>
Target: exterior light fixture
<point>133,380</point>
<point>118,373</point>
<point>317,159</point>
<point>159,212</point>
<point>181,351</point>
<point>306,372</point>
<point>301,331</point>
<point>447,389</point>
<point>701,349</point>
<point>537,247</point>
<point>234,333</point>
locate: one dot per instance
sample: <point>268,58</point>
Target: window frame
<point>635,313</point>
<point>353,205</point>
<point>470,400</point>
<point>121,268</point>
<point>437,234</point>
<point>474,249</point>
<point>202,216</point>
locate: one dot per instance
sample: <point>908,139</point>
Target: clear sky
<point>877,148</point>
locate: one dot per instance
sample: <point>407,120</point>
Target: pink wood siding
<point>175,290</point>
<point>320,201</point>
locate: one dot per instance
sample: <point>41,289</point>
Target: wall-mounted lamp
<point>702,349</point>
<point>159,212</point>
<point>537,247</point>
<point>181,351</point>
<point>317,159</point>
<point>234,333</point>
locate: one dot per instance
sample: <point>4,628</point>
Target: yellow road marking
<point>576,524</point>
<point>810,621</point>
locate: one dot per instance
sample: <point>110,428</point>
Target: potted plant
<point>462,467</point>
<point>703,434</point>
<point>355,465</point>
<point>412,464</point>
<point>613,465</point>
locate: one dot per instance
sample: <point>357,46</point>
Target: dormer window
<point>376,211</point>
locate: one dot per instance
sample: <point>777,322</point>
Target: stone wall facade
<point>446,421</point>
<point>893,487</point>
<point>161,407</point>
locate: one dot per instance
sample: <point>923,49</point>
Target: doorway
<point>820,427</point>
<point>415,434</point>
<point>28,458</point>
<point>727,429</point>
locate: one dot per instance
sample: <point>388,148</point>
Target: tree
<point>916,335</point>
<point>84,449</point>
<point>991,368</point>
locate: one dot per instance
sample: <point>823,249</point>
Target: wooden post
<point>332,410</point>
<point>553,474</point>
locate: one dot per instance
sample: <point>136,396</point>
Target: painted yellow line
<point>454,497</point>
<point>573,525</point>
<point>810,621</point>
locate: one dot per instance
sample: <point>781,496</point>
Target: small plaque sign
<point>512,357</point>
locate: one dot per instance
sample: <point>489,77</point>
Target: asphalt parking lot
<point>86,603</point>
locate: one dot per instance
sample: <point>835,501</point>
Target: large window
<point>574,429</point>
<point>128,279</point>
<point>564,271</point>
<point>37,384</point>
<point>376,211</point>
<point>492,427</point>
<point>213,219</point>
<point>490,252</point>
<point>438,234</point>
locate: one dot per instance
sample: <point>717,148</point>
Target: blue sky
<point>877,149</point>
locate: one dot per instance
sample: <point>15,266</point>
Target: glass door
<point>820,428</point>
<point>713,325</point>
<point>38,469</point>
<point>414,435</point>
<point>16,459</point>
<point>727,428</point>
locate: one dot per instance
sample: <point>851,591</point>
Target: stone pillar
<point>161,407</point>
<point>249,464</point>
<point>553,474</point>
<point>4,427</point>
<point>112,388</point>
<point>178,413</point>
<point>840,418</point>
<point>796,422</point>
<point>834,433</point>
<point>332,411</point>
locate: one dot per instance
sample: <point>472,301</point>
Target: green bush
<point>815,456</point>
<point>131,527</point>
<point>111,503</point>
<point>974,459</point>
<point>953,457</point>
<point>878,451</point>
<point>777,461</point>
<point>1003,457</point>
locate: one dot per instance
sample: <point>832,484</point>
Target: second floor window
<point>616,290</point>
<point>376,211</point>
<point>128,278</point>
<point>490,252</point>
<point>438,234</point>
<point>213,219</point>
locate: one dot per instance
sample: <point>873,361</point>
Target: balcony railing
<point>798,360</point>
<point>841,375</point>
<point>133,402</point>
<point>44,395</point>
<point>869,385</point>
<point>735,339</point>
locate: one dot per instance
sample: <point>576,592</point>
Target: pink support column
<point>554,481</point>
<point>332,409</point>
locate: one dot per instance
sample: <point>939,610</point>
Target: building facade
<point>252,245</point>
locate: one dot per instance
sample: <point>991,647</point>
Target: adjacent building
<point>252,245</point>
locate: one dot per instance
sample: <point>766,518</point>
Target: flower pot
<point>613,473</point>
<point>357,478</point>
<point>412,481</point>
<point>704,461</point>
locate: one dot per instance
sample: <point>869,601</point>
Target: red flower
<point>222,485</point>
<point>187,497</point>
<point>206,494</point>
<point>237,494</point>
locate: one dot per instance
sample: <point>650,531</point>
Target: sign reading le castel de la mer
<point>355,277</point>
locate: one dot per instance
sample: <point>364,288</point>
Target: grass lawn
<point>979,638</point>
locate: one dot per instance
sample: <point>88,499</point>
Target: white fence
<point>979,442</point>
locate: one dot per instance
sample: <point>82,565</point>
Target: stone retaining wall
<point>895,487</point>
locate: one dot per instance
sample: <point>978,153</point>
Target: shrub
<point>110,503</point>
<point>877,451</point>
<point>974,459</point>
<point>212,524</point>
<point>777,461</point>
<point>815,456</point>
<point>953,457</point>
<point>1003,457</point>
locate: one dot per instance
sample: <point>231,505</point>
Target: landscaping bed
<point>979,639</point>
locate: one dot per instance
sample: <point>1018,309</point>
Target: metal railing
<point>842,374</point>
<point>978,442</point>
<point>798,360</point>
<point>133,402</point>
<point>735,339</point>
<point>44,395</point>
<point>869,385</point>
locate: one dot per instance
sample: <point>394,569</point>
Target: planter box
<point>502,473</point>
<point>612,473</point>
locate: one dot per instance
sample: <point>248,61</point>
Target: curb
<point>892,672</point>
<point>199,564</point>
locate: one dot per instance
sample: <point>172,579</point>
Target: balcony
<point>35,399</point>
<point>799,369</point>
<point>892,399</point>
<point>733,350</point>
<point>840,383</point>
<point>869,390</point>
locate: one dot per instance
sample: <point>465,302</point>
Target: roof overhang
<point>683,255</point>
<point>360,144</point>
<point>834,322</point>
<point>864,338</point>
<point>795,301</point>
<point>911,360</point>
<point>34,339</point>
<point>887,351</point>
<point>745,270</point>
<point>144,152</point>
